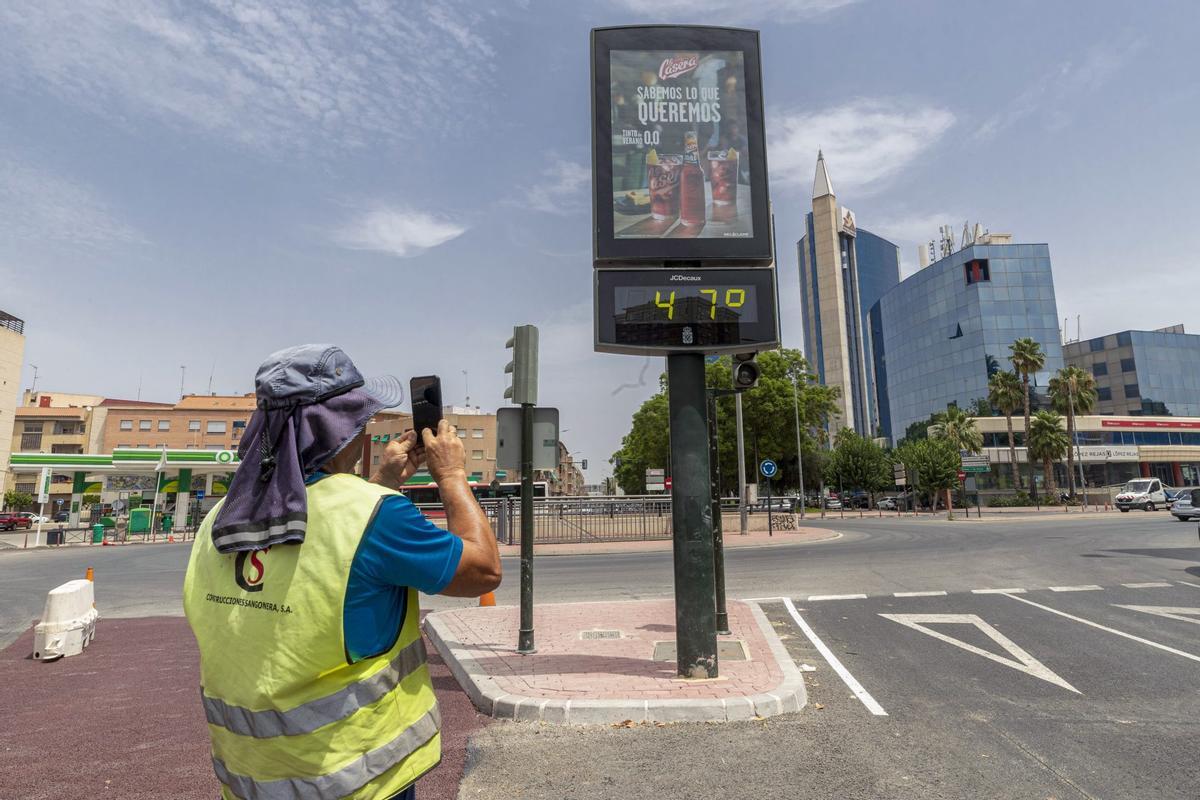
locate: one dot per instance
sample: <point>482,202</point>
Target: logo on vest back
<point>249,571</point>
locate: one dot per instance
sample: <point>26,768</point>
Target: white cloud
<point>1057,91</point>
<point>865,141</point>
<point>38,206</point>
<point>727,11</point>
<point>911,230</point>
<point>263,73</point>
<point>398,231</point>
<point>562,189</point>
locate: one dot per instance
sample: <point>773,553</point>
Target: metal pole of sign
<point>799,453</point>
<point>718,523</point>
<point>691,517</point>
<point>525,635</point>
<point>743,522</point>
<point>770,514</point>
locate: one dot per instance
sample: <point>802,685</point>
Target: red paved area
<point>123,720</point>
<point>568,667</point>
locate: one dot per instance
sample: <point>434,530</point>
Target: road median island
<point>595,665</point>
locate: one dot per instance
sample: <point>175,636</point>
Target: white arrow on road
<point>1021,661</point>
<point>1171,612</point>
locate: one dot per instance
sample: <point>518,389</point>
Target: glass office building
<point>941,333</point>
<point>844,271</point>
<point>1142,373</point>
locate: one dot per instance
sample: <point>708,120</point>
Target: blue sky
<point>200,183</point>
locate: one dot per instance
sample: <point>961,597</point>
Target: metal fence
<point>565,520</point>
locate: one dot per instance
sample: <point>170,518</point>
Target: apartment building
<point>196,422</point>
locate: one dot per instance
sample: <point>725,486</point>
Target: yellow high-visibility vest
<point>288,715</point>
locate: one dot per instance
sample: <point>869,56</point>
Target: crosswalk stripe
<point>1091,587</point>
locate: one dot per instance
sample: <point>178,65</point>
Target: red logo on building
<point>676,66</point>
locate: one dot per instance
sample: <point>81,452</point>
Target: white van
<point>1144,493</point>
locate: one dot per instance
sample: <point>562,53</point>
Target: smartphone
<point>426,403</point>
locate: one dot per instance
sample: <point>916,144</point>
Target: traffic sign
<point>768,468</point>
<point>899,474</point>
<point>667,483</point>
<point>200,494</point>
<point>961,476</point>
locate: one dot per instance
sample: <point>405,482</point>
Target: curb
<point>786,698</point>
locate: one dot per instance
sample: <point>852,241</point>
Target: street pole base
<point>525,642</point>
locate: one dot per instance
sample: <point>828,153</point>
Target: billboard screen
<point>678,156</point>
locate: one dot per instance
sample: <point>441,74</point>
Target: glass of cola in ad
<point>662,172</point>
<point>723,175</point>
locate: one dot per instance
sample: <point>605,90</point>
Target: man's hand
<point>444,453</point>
<point>401,459</point>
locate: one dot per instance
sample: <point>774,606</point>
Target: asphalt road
<point>1044,658</point>
<point>873,556</point>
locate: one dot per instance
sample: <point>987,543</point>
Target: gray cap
<point>309,373</point>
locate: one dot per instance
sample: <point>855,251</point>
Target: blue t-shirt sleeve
<point>401,547</point>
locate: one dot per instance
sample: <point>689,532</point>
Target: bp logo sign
<point>224,457</point>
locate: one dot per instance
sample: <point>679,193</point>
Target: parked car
<point>11,520</point>
<point>1144,493</point>
<point>833,503</point>
<point>1187,505</point>
<point>35,518</point>
<point>886,504</point>
<point>62,516</point>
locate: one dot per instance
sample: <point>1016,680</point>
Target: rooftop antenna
<point>139,395</point>
<point>467,386</point>
<point>182,372</point>
<point>210,377</point>
<point>33,389</point>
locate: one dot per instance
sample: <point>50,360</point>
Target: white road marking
<point>919,594</point>
<point>1106,628</point>
<point>843,673</point>
<point>1023,661</point>
<point>1171,612</point>
<point>816,597</point>
<point>1091,587</point>
<point>1150,585</point>
<point>997,591</point>
<point>1189,583</point>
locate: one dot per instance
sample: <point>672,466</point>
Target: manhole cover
<point>599,634</point>
<point>727,650</point>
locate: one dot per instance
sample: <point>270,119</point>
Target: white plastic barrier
<point>69,622</point>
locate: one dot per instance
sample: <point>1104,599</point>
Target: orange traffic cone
<point>488,599</point>
<point>90,575</point>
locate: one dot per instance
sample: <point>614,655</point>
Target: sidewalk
<point>123,719</point>
<point>612,676</point>
<point>731,541</point>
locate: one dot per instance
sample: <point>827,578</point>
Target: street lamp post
<point>799,453</point>
<point>1078,449</point>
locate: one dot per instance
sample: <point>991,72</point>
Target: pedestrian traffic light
<point>524,365</point>
<point>745,371</point>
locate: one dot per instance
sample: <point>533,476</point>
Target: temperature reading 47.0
<point>734,297</point>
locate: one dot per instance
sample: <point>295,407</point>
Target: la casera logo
<point>250,579</point>
<point>677,65</point>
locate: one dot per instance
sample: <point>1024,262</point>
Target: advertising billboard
<point>678,155</point>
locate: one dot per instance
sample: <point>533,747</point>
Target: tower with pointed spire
<point>844,270</point>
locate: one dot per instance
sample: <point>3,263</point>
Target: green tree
<point>934,463</point>
<point>959,429</point>
<point>1027,358</point>
<point>1048,443</point>
<point>1073,391</point>
<point>89,500</point>
<point>857,462</point>
<point>1004,392</point>
<point>14,500</point>
<point>768,413</point>
<point>646,446</point>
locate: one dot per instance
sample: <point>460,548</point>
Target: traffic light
<point>524,365</point>
<point>745,371</point>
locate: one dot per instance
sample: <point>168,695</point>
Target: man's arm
<point>479,567</point>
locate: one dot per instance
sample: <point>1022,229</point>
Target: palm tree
<point>1073,391</point>
<point>1027,358</point>
<point>1004,392</point>
<point>959,428</point>
<point>1048,442</point>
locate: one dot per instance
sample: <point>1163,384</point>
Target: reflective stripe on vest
<point>317,713</point>
<point>341,783</point>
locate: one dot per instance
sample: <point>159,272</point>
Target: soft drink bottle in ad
<point>691,184</point>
